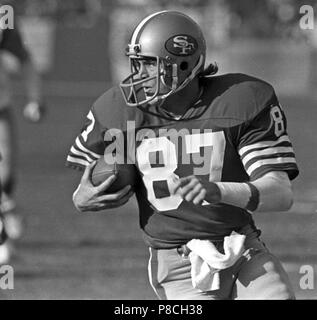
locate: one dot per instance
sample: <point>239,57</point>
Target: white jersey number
<point>277,117</point>
<point>169,163</point>
<point>89,128</point>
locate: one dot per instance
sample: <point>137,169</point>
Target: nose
<point>143,70</point>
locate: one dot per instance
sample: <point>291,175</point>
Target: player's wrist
<point>213,193</point>
<point>254,199</point>
<point>234,193</point>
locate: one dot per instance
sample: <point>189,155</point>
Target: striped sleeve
<point>265,145</point>
<point>88,146</point>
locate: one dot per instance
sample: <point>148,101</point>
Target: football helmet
<point>176,46</point>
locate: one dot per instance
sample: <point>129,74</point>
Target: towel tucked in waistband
<point>207,261</point>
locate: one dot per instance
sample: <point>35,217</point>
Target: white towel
<point>207,261</point>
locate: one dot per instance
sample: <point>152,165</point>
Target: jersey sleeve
<point>265,146</point>
<point>89,145</point>
<point>11,41</point>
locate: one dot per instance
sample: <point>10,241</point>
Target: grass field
<point>65,255</point>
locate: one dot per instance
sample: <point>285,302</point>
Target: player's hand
<point>195,190</point>
<point>88,197</point>
<point>34,111</point>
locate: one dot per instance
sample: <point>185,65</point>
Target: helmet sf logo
<point>181,45</point>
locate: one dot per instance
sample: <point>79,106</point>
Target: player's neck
<point>178,103</point>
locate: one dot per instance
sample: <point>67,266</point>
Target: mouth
<point>148,90</point>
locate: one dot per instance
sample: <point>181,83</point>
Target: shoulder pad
<point>238,97</point>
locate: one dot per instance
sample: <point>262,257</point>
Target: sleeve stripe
<point>78,161</point>
<point>269,151</point>
<point>81,154</point>
<point>264,144</point>
<point>82,148</point>
<point>261,163</point>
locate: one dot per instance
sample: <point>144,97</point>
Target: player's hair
<point>210,70</point>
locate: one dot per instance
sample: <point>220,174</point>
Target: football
<point>126,175</point>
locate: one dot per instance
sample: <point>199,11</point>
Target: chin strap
<point>175,89</point>
<point>174,77</point>
<point>192,75</point>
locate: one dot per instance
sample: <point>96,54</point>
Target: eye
<point>150,63</point>
<point>136,64</point>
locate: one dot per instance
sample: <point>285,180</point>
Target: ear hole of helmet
<point>183,65</point>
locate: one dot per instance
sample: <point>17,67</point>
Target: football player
<point>235,158</point>
<point>14,57</point>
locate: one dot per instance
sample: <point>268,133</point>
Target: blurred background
<point>78,47</point>
<point>80,41</point>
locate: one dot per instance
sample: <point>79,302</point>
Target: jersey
<point>10,42</point>
<point>235,132</point>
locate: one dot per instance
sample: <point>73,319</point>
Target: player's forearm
<point>274,193</point>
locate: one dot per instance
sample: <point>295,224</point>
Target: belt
<point>183,251</point>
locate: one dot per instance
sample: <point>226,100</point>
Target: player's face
<point>147,68</point>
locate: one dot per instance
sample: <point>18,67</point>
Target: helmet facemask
<point>133,86</point>
<point>166,76</point>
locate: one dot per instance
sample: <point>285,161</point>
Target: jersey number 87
<point>193,143</point>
